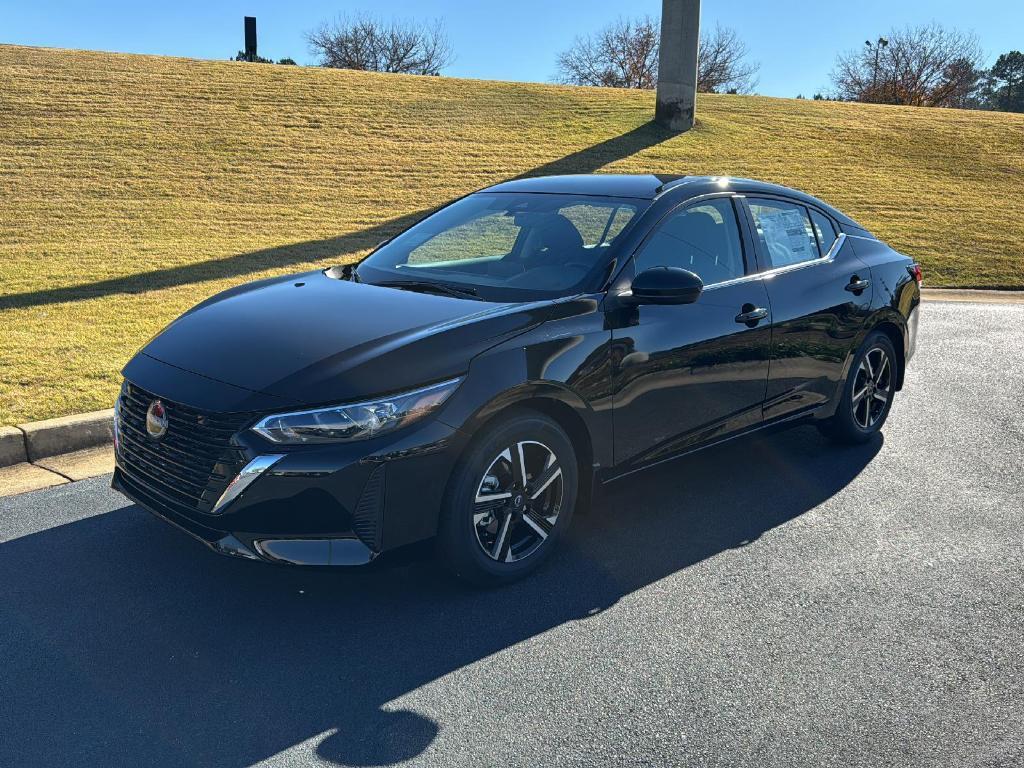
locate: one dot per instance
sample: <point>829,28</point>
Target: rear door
<point>687,374</point>
<point>820,296</point>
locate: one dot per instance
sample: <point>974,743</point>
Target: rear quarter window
<point>824,229</point>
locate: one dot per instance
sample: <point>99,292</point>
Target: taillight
<point>915,272</point>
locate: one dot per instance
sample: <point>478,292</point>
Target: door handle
<point>857,285</point>
<point>751,315</point>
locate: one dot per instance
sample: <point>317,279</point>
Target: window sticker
<point>785,233</point>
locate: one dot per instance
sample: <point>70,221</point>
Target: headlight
<point>357,421</point>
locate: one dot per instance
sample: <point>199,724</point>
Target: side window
<point>825,230</point>
<point>703,238</point>
<point>785,230</point>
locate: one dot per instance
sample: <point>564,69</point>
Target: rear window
<point>785,231</point>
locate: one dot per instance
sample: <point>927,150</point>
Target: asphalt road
<point>774,602</point>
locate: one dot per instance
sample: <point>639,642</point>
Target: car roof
<point>644,186</point>
<point>653,186</point>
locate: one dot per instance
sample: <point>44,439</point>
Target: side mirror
<point>665,285</point>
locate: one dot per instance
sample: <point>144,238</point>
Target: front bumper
<point>328,505</point>
<point>348,550</point>
<point>322,507</point>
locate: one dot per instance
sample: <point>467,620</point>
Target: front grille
<point>192,464</point>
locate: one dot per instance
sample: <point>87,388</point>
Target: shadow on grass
<point>330,250</point>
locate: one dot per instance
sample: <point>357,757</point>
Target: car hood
<point>314,339</point>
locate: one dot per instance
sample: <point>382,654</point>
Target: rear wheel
<point>867,393</point>
<point>509,500</point>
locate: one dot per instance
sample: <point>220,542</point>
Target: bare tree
<point>622,55</point>
<point>925,66</point>
<point>722,63</point>
<point>625,55</point>
<point>365,42</point>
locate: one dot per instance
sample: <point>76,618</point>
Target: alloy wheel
<point>518,501</point>
<point>872,388</point>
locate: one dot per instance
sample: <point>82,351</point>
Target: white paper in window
<point>785,233</point>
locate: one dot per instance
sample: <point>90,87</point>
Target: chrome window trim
<point>828,258</point>
<point>734,195</point>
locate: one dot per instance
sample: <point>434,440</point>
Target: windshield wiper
<point>427,286</point>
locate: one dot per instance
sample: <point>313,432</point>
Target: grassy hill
<point>131,187</point>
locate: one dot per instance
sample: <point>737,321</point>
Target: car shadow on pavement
<point>329,251</point>
<point>125,643</point>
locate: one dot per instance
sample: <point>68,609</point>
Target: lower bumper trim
<point>323,551</point>
<point>231,546</point>
<point>334,552</point>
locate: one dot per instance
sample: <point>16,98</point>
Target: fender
<point>562,363</point>
<point>492,392</point>
<point>884,315</point>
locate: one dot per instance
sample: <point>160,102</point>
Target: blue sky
<point>795,41</point>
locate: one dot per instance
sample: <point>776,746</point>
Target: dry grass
<point>131,187</point>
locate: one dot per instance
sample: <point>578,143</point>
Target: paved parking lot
<point>774,602</point>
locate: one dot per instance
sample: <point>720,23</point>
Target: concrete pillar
<point>677,64</point>
<point>250,38</point>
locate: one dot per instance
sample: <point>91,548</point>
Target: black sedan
<point>477,378</point>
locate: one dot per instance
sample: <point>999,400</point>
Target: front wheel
<point>867,393</point>
<point>509,500</point>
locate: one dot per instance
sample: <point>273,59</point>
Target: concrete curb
<point>47,453</point>
<point>12,446</point>
<point>972,294</point>
<point>52,437</point>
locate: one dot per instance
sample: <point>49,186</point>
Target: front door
<point>688,374</point>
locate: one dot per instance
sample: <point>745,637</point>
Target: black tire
<point>867,393</point>
<point>472,524</point>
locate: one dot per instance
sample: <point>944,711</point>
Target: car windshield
<point>506,246</point>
